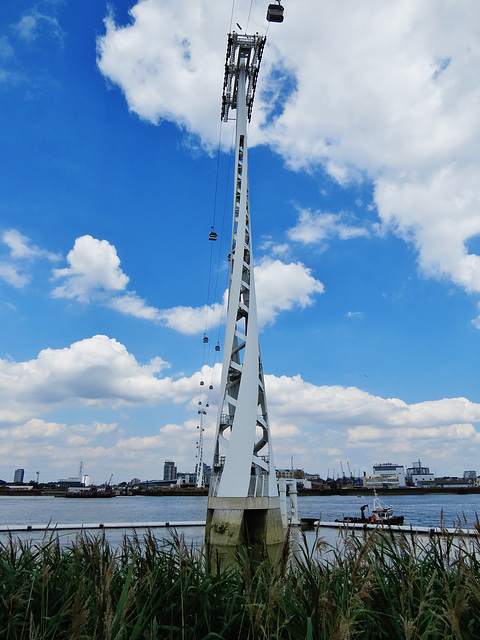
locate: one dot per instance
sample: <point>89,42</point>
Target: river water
<point>421,510</point>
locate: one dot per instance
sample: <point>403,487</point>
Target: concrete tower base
<point>234,524</point>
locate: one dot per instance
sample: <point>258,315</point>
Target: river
<point>421,510</point>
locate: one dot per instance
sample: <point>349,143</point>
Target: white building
<point>389,470</point>
<point>419,476</point>
<point>381,481</point>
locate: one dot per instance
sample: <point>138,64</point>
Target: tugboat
<point>381,515</point>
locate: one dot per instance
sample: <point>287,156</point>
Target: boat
<point>90,492</point>
<point>381,515</point>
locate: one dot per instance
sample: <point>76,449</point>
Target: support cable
<point>248,19</point>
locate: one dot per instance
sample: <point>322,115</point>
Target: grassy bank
<point>375,588</point>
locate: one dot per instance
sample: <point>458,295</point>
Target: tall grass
<point>379,586</point>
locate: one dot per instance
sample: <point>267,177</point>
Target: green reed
<point>378,586</point>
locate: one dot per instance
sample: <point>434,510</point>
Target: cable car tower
<point>199,470</point>
<point>243,504</point>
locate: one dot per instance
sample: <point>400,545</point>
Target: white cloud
<point>94,267</point>
<point>281,287</point>
<point>476,321</point>
<point>10,273</point>
<point>21,247</point>
<point>34,24</point>
<point>34,429</point>
<point>318,227</point>
<point>137,444</point>
<point>95,274</point>
<point>385,92</point>
<point>165,67</point>
<point>21,254</point>
<point>191,320</point>
<point>95,372</point>
<point>449,206</point>
<point>132,305</point>
<point>319,424</point>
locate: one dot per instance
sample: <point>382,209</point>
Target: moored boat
<point>90,492</point>
<point>381,514</point>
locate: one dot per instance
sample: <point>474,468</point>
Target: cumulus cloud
<point>316,227</point>
<point>348,423</point>
<point>324,405</point>
<point>449,202</point>
<point>383,92</point>
<point>95,372</point>
<point>132,305</point>
<point>94,274</point>
<point>94,268</point>
<point>320,423</point>
<point>191,320</point>
<point>281,287</point>
<point>15,268</point>
<point>165,69</point>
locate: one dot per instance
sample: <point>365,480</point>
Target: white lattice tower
<point>200,478</point>
<point>243,490</point>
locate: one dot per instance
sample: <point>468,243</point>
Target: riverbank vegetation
<point>379,587</point>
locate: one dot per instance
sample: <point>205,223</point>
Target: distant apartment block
<point>74,481</point>
<point>186,478</point>
<point>18,476</point>
<point>169,471</point>
<point>299,474</point>
<point>419,476</point>
<point>452,482</point>
<point>381,481</point>
<point>388,471</point>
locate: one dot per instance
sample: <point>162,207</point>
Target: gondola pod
<point>275,12</point>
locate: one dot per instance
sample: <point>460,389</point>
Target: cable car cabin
<point>217,347</point>
<point>275,13</point>
<point>212,235</point>
<point>205,340</point>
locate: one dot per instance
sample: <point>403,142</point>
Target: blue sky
<point>364,191</point>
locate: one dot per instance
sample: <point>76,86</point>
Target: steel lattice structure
<point>243,462</point>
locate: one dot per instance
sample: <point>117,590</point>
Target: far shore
<point>193,491</point>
